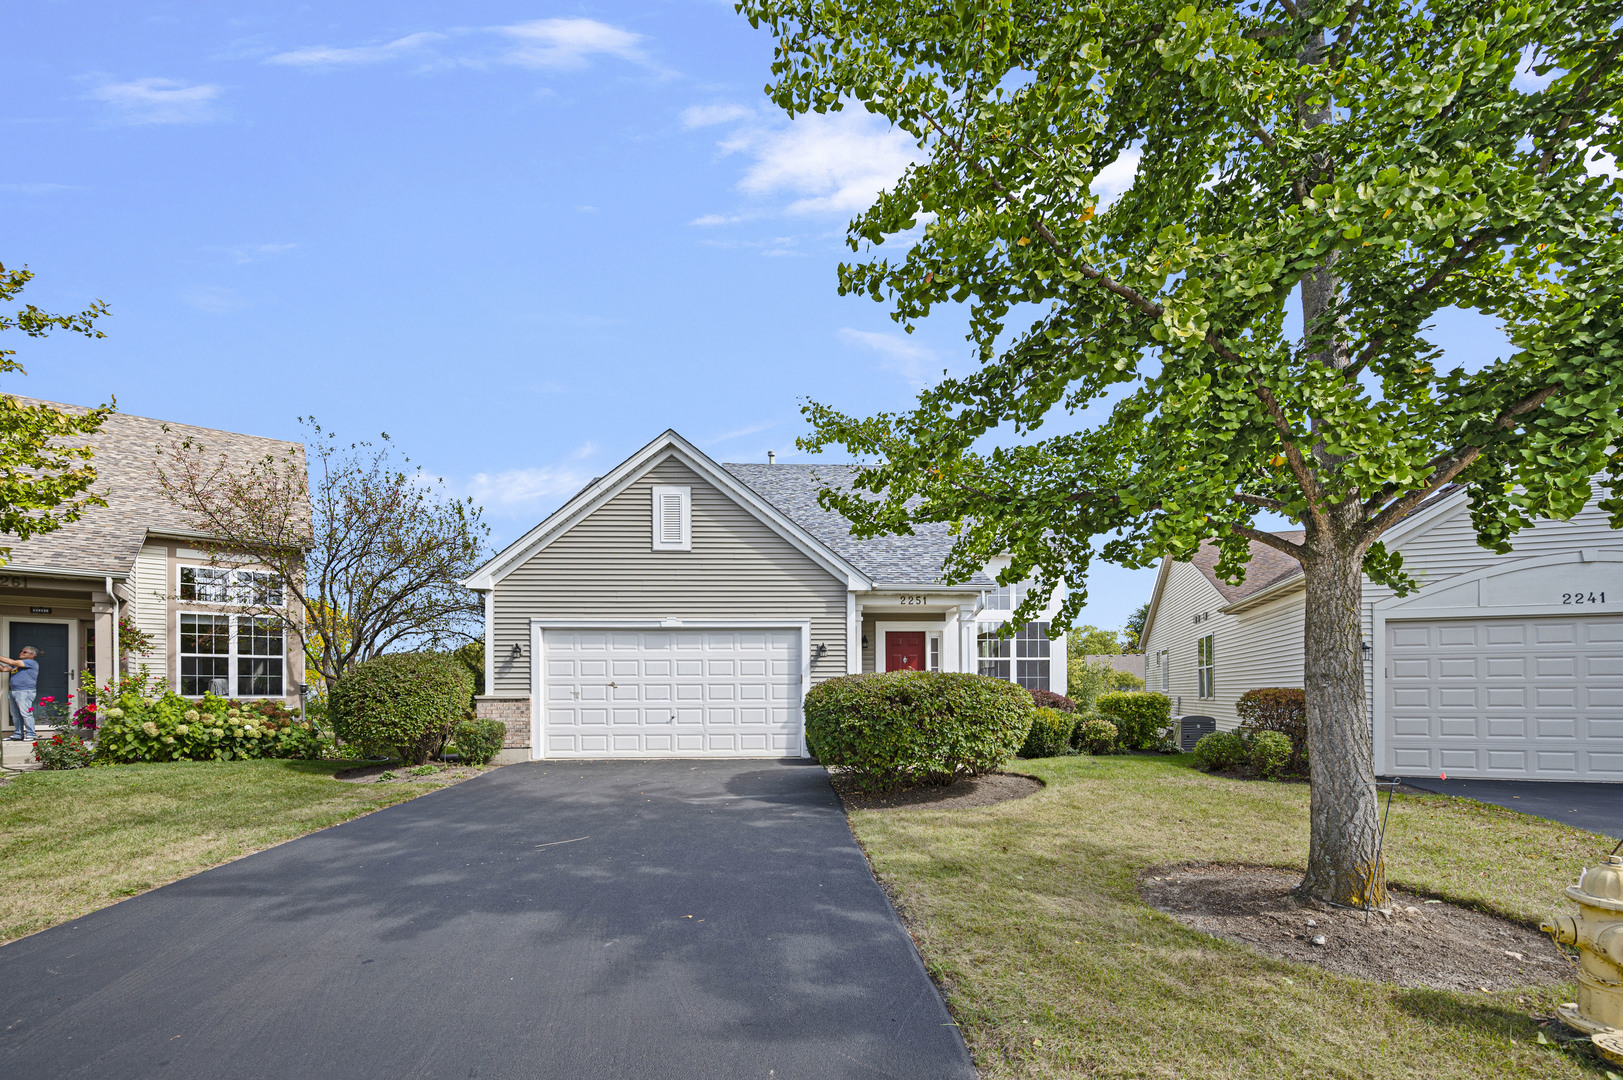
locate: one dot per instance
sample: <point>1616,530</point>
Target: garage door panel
<point>1535,698</point>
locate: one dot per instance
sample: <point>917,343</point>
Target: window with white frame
<point>935,653</point>
<point>1163,660</point>
<point>230,585</point>
<point>1031,656</point>
<point>1206,667</point>
<point>673,518</point>
<point>1006,597</point>
<point>1023,659</point>
<point>232,655</point>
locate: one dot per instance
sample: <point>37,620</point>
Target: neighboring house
<point>680,607</point>
<point>137,559</point>
<point>1498,666</point>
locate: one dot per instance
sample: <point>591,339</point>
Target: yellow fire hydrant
<point>1597,931</point>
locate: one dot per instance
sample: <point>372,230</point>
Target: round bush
<point>1268,753</point>
<point>477,741</point>
<point>1050,734</point>
<point>1047,699</point>
<point>1277,708</point>
<point>915,727</point>
<point>1141,718</point>
<point>402,702</point>
<point>1094,735</point>
<point>1221,751</point>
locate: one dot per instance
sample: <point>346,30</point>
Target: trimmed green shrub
<point>1047,699</point>
<point>1050,734</point>
<point>404,703</point>
<point>892,728</point>
<point>1094,735</point>
<point>477,741</point>
<point>1267,752</point>
<point>64,750</point>
<point>167,727</point>
<point>1277,708</point>
<point>1140,718</point>
<point>1221,751</point>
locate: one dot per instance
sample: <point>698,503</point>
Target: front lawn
<point>1028,914</point>
<point>75,841</point>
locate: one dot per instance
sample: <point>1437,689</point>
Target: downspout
<point>111,595</point>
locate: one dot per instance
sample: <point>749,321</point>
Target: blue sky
<point>521,239</point>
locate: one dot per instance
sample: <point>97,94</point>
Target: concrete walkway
<point>614,920</point>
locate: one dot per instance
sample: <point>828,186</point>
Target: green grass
<point>75,841</point>
<point>1027,913</point>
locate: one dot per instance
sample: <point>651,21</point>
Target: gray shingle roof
<point>107,539</point>
<point>894,560</point>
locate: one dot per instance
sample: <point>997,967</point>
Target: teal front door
<point>55,661</point>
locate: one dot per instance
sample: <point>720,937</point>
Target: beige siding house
<point>682,607</point>
<point>1505,666</point>
<point>137,560</point>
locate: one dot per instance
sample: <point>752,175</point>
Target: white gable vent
<point>673,518</point>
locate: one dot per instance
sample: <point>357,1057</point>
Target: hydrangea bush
<point>163,726</point>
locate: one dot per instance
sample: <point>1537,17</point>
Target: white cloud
<point>39,189</point>
<point>914,362</point>
<point>1114,179</point>
<point>752,429</point>
<point>213,299</point>
<point>835,162</point>
<point>519,487</point>
<point>160,101</point>
<point>697,116</point>
<point>584,450</point>
<point>328,55</point>
<point>717,219</point>
<point>242,254</point>
<point>569,43</point>
<point>561,44</point>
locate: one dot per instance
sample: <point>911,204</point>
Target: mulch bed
<point>984,790</point>
<point>401,774</point>
<point>1417,942</point>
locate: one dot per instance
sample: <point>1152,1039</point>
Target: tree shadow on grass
<point>1487,1018</point>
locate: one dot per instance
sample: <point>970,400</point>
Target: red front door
<point>904,652</point>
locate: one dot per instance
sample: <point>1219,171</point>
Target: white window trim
<point>288,681</point>
<point>1206,667</point>
<point>181,568</point>
<point>685,494</point>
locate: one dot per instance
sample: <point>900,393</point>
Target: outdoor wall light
<point>818,650</point>
<point>517,650</point>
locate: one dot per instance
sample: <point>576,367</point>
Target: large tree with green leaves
<point>1366,162</point>
<point>44,481</point>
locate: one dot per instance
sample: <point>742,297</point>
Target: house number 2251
<point>912,600</point>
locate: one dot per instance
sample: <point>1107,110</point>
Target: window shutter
<point>672,518</point>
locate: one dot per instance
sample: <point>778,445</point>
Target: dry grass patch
<point>72,842</point>
<point>1028,913</point>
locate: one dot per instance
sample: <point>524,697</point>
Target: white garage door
<point>671,693</point>
<point>1537,699</point>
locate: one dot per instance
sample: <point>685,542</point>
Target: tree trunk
<point>1344,857</point>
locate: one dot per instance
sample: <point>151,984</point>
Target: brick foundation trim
<point>514,712</point>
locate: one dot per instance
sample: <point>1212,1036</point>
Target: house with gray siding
<point>679,607</point>
<point>1507,666</point>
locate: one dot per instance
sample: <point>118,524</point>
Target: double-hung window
<point>226,585</point>
<point>232,655</point>
<point>1024,659</point>
<point>1206,666</point>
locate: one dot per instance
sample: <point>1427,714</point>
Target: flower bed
<point>169,727</point>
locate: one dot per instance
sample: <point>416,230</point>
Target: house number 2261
<point>1583,598</point>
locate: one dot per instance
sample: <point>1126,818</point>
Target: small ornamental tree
<point>1244,330</point>
<point>1277,708</point>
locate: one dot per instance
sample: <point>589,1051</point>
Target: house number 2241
<point>1583,598</point>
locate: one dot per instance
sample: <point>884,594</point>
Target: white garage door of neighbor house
<point>1530,699</point>
<point>671,693</point>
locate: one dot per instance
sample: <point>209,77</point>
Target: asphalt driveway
<point>1596,807</point>
<point>625,920</point>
